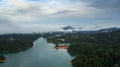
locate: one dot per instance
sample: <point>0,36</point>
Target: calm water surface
<point>42,54</point>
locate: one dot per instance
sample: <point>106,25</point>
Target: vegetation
<point>2,59</point>
<point>52,34</point>
<point>92,50</point>
<point>16,42</point>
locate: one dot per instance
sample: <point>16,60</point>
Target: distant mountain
<point>77,29</point>
<point>71,28</point>
<point>109,29</point>
<point>106,30</point>
<point>68,28</point>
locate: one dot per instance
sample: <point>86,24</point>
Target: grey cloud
<point>21,11</point>
<point>107,3</point>
<point>33,0</point>
<point>103,3</point>
<point>112,7</point>
<point>32,8</point>
<point>63,11</point>
<point>4,21</point>
<point>7,26</point>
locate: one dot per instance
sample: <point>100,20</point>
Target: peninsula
<point>16,42</point>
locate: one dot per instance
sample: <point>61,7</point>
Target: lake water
<point>42,54</point>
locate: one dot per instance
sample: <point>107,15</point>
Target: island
<point>2,58</point>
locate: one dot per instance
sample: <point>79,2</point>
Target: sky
<point>28,16</point>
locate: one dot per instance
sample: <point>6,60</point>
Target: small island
<point>2,59</point>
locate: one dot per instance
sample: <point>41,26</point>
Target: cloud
<point>49,7</point>
<point>36,0</point>
<point>35,15</point>
<point>35,8</point>
<point>63,11</point>
<point>106,4</point>
<point>25,11</point>
<point>111,5</point>
<point>7,26</point>
<point>20,10</point>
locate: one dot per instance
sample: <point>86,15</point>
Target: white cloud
<point>22,9</point>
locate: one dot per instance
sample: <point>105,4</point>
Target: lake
<point>42,54</point>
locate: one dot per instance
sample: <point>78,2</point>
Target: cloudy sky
<point>50,15</point>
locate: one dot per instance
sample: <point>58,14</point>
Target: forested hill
<point>96,50</point>
<point>16,42</point>
<point>99,38</point>
<point>110,38</point>
<point>94,38</point>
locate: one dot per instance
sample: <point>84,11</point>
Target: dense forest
<point>92,50</point>
<point>16,42</point>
